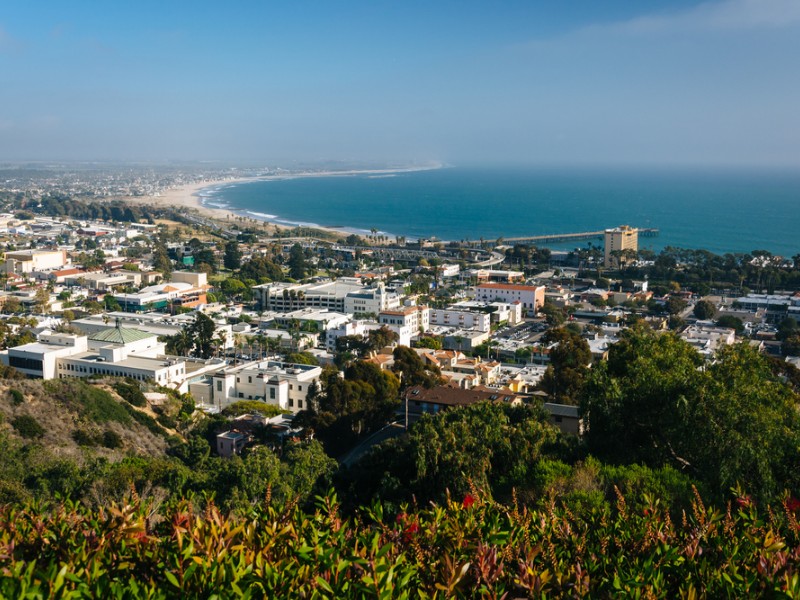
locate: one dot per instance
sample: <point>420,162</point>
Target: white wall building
<point>27,261</point>
<point>463,319</point>
<point>530,296</point>
<point>406,322</point>
<point>280,384</point>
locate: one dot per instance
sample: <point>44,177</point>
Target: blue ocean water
<point>719,210</point>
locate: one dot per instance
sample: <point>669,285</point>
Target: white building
<point>499,312</point>
<point>280,384</point>
<point>530,296</point>
<point>116,352</point>
<point>707,339</point>
<point>361,328</point>
<point>27,261</point>
<point>346,295</point>
<point>406,322</point>
<point>463,319</point>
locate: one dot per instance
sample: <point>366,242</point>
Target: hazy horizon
<point>621,83</point>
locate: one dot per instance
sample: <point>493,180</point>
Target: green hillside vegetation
<point>483,500</point>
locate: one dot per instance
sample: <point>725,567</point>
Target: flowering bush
<point>489,550</point>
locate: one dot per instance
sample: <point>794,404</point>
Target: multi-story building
<point>187,290</point>
<point>463,319</point>
<point>617,241</point>
<point>280,384</point>
<point>530,296</point>
<point>406,322</point>
<point>27,261</point>
<point>347,295</point>
<point>115,352</point>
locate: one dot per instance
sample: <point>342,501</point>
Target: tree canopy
<point>733,421</point>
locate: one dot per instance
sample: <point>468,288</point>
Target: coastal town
<point>228,309</point>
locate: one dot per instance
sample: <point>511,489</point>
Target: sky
<point>459,82</point>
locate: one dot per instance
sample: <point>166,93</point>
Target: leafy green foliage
<point>464,548</point>
<point>348,408</point>
<point>17,397</point>
<point>731,422</point>
<point>569,364</point>
<point>242,407</point>
<point>27,426</point>
<point>130,391</point>
<point>413,370</point>
<point>489,446</point>
<point>704,309</point>
<point>89,401</point>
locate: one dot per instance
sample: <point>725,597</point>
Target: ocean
<point>722,210</point>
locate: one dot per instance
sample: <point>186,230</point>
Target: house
<point>567,418</point>
<point>232,442</point>
<point>419,400</point>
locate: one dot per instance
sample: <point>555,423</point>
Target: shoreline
<point>199,196</point>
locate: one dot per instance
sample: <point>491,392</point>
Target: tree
<point>732,322</point>
<point>412,371</point>
<point>297,262</point>
<point>554,315</point>
<point>202,331</point>
<point>569,364</point>
<point>42,298</point>
<point>733,421</point>
<point>489,447</point>
<point>181,343</point>
<point>675,305</point>
<point>232,258</point>
<point>161,261</point>
<point>260,269</point>
<point>705,309</point>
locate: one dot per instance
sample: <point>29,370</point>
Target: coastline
<point>199,197</point>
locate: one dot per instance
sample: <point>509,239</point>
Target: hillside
<point>62,424</point>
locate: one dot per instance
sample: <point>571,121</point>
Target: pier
<point>567,237</point>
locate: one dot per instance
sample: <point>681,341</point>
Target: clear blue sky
<point>576,82</point>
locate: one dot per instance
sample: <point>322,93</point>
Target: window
<point>291,403</point>
<point>249,379</point>
<point>272,393</point>
<point>299,404</point>
<point>241,395</point>
<point>219,385</point>
<point>290,387</point>
<point>300,388</point>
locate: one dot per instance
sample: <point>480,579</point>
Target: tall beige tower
<point>617,241</point>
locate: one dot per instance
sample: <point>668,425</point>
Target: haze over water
<point>720,210</point>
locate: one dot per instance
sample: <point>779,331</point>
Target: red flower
<point>469,500</point>
<point>411,531</point>
<point>744,502</point>
<point>400,518</point>
<point>792,504</point>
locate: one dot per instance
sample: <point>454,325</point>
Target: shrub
<point>27,426</point>
<point>111,439</point>
<point>17,397</point>
<point>83,437</point>
<point>130,392</point>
